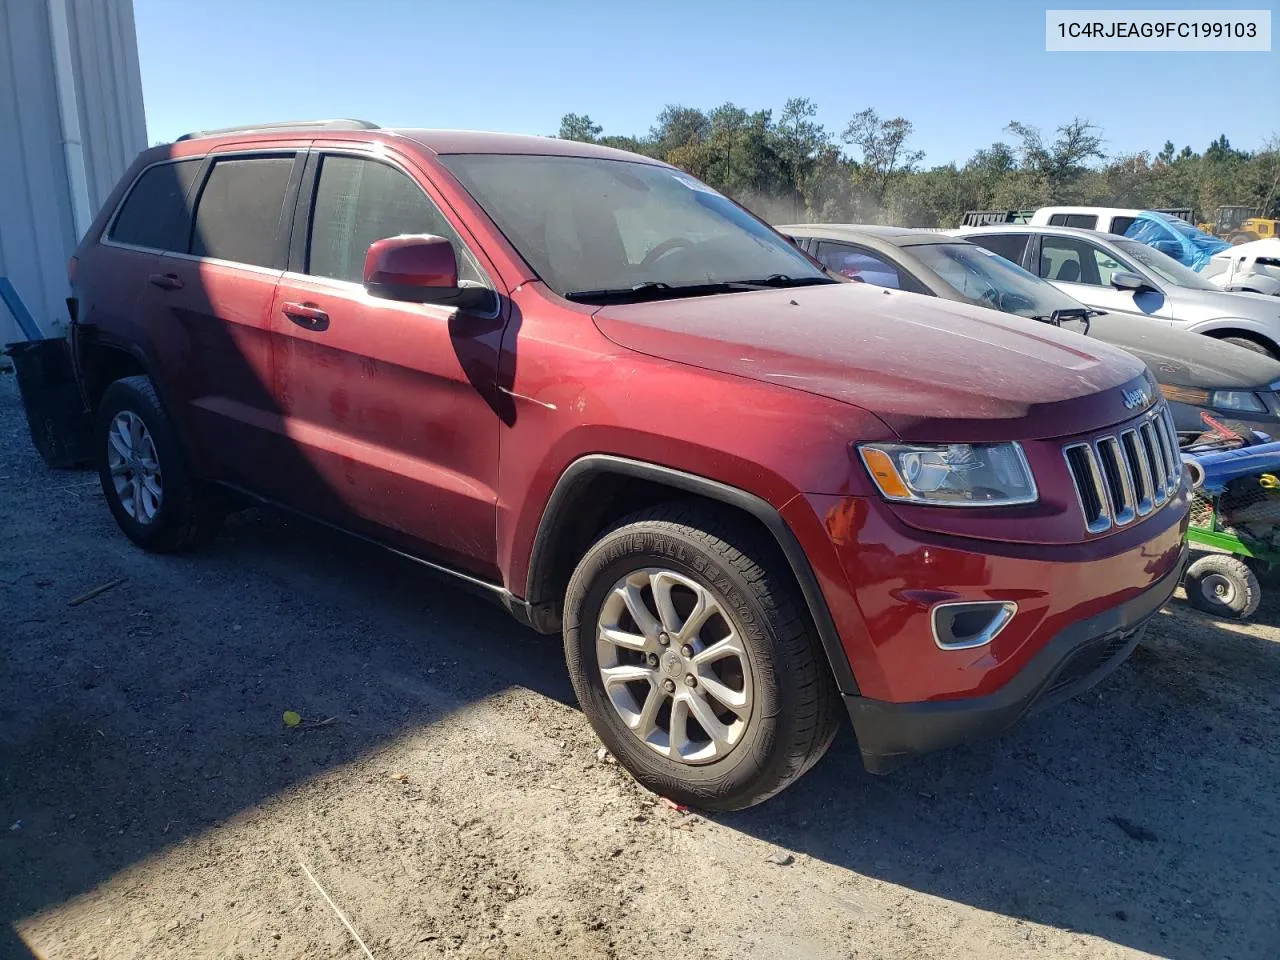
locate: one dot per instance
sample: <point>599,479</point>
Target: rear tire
<point>768,696</point>
<point>1223,586</point>
<point>1243,237</point>
<point>144,472</point>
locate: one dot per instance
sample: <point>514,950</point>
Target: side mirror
<point>1123,280</point>
<point>419,268</point>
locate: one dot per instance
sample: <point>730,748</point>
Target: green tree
<point>884,150</point>
<point>575,126</point>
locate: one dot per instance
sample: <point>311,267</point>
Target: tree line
<point>791,168</point>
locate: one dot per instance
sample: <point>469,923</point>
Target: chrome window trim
<point>106,241</point>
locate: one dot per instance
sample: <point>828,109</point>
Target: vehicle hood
<point>931,369</point>
<point>1185,359</point>
<point>1193,305</point>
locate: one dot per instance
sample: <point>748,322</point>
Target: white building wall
<point>92,47</point>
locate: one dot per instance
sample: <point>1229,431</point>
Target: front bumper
<point>1074,660</point>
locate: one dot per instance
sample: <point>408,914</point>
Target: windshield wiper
<point>657,290</point>
<point>782,280</point>
<point>649,290</point>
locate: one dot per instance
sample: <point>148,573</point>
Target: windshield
<point>588,225</point>
<point>977,273</point>
<point>1164,266</point>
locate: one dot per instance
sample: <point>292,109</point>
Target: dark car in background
<point>1195,373</point>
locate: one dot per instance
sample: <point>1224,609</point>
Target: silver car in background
<point>1116,273</point>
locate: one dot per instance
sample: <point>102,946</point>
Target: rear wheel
<point>1223,586</point>
<point>695,661</point>
<point>144,474</point>
<point>1243,237</point>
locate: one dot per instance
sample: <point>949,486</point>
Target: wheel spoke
<point>626,673</point>
<point>661,583</point>
<point>739,701</point>
<point>678,737</point>
<point>621,638</point>
<point>137,433</point>
<point>119,469</point>
<point>646,721</point>
<point>728,647</point>
<point>709,722</point>
<point>119,441</point>
<point>640,613</point>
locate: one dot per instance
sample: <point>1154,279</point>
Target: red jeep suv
<point>587,385</point>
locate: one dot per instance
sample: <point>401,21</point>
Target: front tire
<point>1253,345</point>
<point>1223,586</point>
<point>695,660</point>
<point>144,473</point>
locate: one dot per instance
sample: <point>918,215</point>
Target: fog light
<point>964,625</point>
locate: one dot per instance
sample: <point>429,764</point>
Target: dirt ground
<point>154,805</point>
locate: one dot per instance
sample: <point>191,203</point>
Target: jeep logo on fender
<point>1135,398</point>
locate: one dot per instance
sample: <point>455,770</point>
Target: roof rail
<point>283,125</point>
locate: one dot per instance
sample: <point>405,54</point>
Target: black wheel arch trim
<point>560,505</point>
<point>97,338</point>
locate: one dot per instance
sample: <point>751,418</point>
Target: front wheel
<point>1253,345</point>
<point>695,660</point>
<point>1223,586</point>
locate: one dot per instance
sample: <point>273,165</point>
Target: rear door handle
<point>306,315</point>
<point>166,281</point>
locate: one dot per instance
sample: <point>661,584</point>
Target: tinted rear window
<point>238,215</point>
<point>1081,221</point>
<point>157,212</point>
<point>1011,246</point>
<point>1119,225</point>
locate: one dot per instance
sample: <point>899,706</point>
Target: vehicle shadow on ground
<point>154,712</point>
<point>1144,812</point>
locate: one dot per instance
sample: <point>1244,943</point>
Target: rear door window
<point>360,201</point>
<point>858,263</point>
<point>238,214</point>
<point>157,214</point>
<point>1011,246</point>
<point>1120,224</point>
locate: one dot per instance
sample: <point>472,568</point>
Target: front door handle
<point>165,281</point>
<point>306,315</point>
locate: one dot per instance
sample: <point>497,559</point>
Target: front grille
<point>1124,475</point>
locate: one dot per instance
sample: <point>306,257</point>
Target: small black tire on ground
<point>1253,345</point>
<point>788,708</point>
<point>1224,586</point>
<point>184,515</point>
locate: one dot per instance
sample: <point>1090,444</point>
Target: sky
<point>959,70</point>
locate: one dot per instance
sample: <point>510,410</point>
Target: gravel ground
<point>154,805</point>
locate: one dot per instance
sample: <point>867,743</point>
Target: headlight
<point>1244,401</point>
<point>951,474</point>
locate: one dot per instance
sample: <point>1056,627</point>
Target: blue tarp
<point>1175,238</point>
